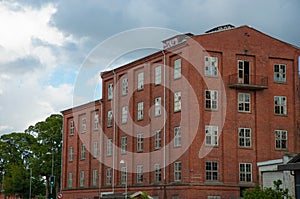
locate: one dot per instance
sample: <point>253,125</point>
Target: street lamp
<point>124,162</point>
<point>52,168</point>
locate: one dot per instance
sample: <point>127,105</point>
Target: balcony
<point>248,82</point>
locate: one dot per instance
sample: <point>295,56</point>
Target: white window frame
<point>125,86</point>
<point>71,127</point>
<point>245,175</point>
<point>211,135</point>
<point>82,153</point>
<point>140,81</point>
<point>211,171</point>
<point>244,102</point>
<point>95,177</point>
<point>281,139</point>
<point>157,106</point>
<point>124,144</point>
<point>96,122</point>
<point>108,176</point>
<point>177,69</point>
<point>177,101</point>
<point>95,149</point>
<point>157,139</point>
<point>123,175</point>
<point>245,137</point>
<point>140,109</point>
<point>280,105</point>
<point>158,75</point>
<point>124,116</point>
<point>139,174</point>
<point>71,151</point>
<point>109,147</point>
<point>70,180</point>
<point>110,91</point>
<point>177,171</point>
<point>280,73</point>
<point>83,125</point>
<point>157,173</point>
<point>140,139</point>
<point>109,118</point>
<point>211,66</point>
<point>177,136</point>
<point>211,100</point>
<point>81,180</point>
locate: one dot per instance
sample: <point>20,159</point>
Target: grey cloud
<point>21,65</point>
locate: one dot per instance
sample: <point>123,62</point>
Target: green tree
<point>267,193</point>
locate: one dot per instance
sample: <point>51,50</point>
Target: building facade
<point>190,121</point>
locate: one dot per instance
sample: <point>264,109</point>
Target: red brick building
<point>190,121</point>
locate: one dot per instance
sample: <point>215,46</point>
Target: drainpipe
<point>100,145</point>
<point>114,131</point>
<point>165,193</point>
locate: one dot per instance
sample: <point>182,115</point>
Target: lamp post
<point>124,162</point>
<point>52,168</point>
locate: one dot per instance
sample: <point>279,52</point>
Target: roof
<point>292,165</point>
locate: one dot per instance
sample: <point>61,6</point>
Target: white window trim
<point>140,114</point>
<point>95,177</point>
<point>125,86</point>
<point>213,98</point>
<point>123,144</point>
<point>83,125</point>
<point>280,79</point>
<point>139,174</point>
<point>158,73</point>
<point>71,153</point>
<point>110,91</point>
<point>70,180</point>
<point>108,176</point>
<point>109,118</point>
<point>210,70</point>
<point>177,101</point>
<point>177,171</point>
<point>96,122</point>
<point>177,136</point>
<point>109,147</point>
<point>140,81</point>
<point>213,132</point>
<point>211,171</point>
<point>281,103</point>
<point>157,173</point>
<point>81,181</point>
<point>124,116</point>
<point>140,140</point>
<point>157,140</point>
<point>123,175</point>
<point>71,127</point>
<point>95,152</point>
<point>245,172</point>
<point>244,137</point>
<point>244,102</point>
<point>82,154</point>
<point>157,106</point>
<point>281,139</point>
<point>177,69</point>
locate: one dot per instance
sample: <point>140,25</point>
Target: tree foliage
<point>267,193</point>
<point>31,150</point>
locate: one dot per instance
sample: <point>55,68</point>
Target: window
<point>124,114</point>
<point>177,171</point>
<point>123,175</point>
<point>140,142</point>
<point>177,101</point>
<point>280,105</point>
<point>81,180</point>
<point>211,66</point>
<point>96,122</point>
<point>211,135</point>
<point>213,197</point>
<point>245,172</point>
<point>177,68</point>
<point>125,86</point>
<point>211,100</point>
<point>71,153</point>
<point>95,153</point>
<point>157,106</point>
<point>109,147</point>
<point>157,141</point>
<point>109,118</point>
<point>177,136</point>
<point>140,81</point>
<point>158,75</point>
<point>140,110</point>
<point>244,102</point>
<point>95,177</point>
<point>70,180</point>
<point>71,127</point>
<point>83,125</point>
<point>108,176</point>
<point>280,139</point>
<point>244,137</point>
<point>124,145</point>
<point>82,152</point>
<point>280,73</point>
<point>157,173</point>
<point>211,170</point>
<point>110,91</point>
<point>139,174</point>
<point>175,197</point>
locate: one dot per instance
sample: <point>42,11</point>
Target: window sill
<point>244,112</point>
<point>281,115</point>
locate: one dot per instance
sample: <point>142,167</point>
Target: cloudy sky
<point>44,44</point>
